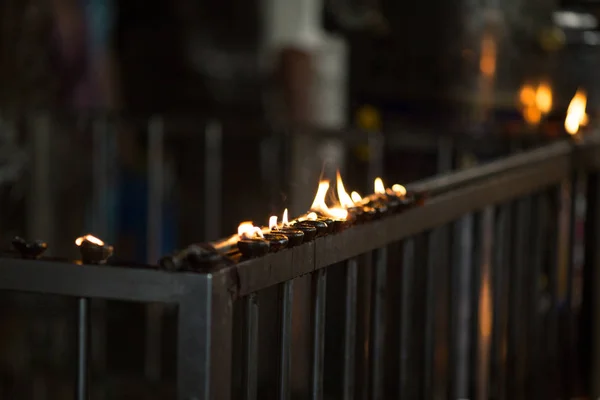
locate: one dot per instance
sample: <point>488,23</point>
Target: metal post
<point>350,328</point>
<point>319,286</point>
<point>251,310</point>
<point>408,381</point>
<point>195,339</point>
<point>592,292</point>
<point>377,336</point>
<point>485,303</point>
<point>212,180</point>
<point>155,167</point>
<point>462,308</point>
<point>285,350</point>
<point>82,348</point>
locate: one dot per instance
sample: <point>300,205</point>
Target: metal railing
<point>472,295</point>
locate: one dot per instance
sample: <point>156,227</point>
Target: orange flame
<point>284,218</point>
<point>378,186</point>
<point>89,238</point>
<point>543,98</point>
<point>320,205</point>
<point>345,199</point>
<point>576,116</point>
<point>248,231</point>
<point>273,222</point>
<point>356,198</point>
<point>399,189</point>
<point>527,95</point>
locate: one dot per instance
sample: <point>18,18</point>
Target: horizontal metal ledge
<point>446,182</point>
<point>115,283</point>
<point>521,179</point>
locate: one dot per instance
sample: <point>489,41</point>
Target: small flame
<point>312,216</point>
<point>532,115</point>
<point>543,98</point>
<point>356,198</point>
<point>345,199</point>
<point>89,238</point>
<point>527,95</point>
<point>399,190</point>
<point>284,218</point>
<point>248,231</point>
<point>379,186</point>
<point>320,205</point>
<point>273,222</point>
<point>576,115</point>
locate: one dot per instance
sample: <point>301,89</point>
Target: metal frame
<point>205,299</point>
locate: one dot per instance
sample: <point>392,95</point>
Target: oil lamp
<point>251,241</point>
<point>30,250</point>
<point>294,236</point>
<point>93,250</point>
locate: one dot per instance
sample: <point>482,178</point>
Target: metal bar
<point>463,313</point>
<point>285,349</point>
<point>518,344</point>
<point>212,180</point>
<point>90,281</point>
<point>409,385</point>
<point>445,182</point>
<point>251,310</point>
<point>485,303</point>
<point>195,370</point>
<point>83,334</point>
<point>592,294</point>
<point>501,289</point>
<point>350,329</point>
<point>318,342</point>
<point>377,337</point>
<point>154,312</point>
<point>536,378</point>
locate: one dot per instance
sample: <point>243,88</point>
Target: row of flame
<point>536,102</point>
<point>343,202</point>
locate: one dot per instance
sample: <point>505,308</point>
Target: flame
<point>273,222</point>
<point>543,98</point>
<point>532,115</point>
<point>248,231</point>
<point>576,115</point>
<point>356,198</point>
<point>527,95</point>
<point>320,205</point>
<point>312,216</point>
<point>89,238</point>
<point>379,186</point>
<point>284,218</point>
<point>399,189</point>
<point>345,199</point>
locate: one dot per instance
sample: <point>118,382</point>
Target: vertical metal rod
<point>485,304</point>
<point>318,342</point>
<point>377,336</point>
<point>212,180</point>
<point>592,291</point>
<point>251,310</point>
<point>196,369</point>
<point>463,312</point>
<point>350,329</point>
<point>154,225</point>
<point>408,383</point>
<point>82,348</point>
<point>431,301</point>
<point>285,350</point>
<point>501,289</point>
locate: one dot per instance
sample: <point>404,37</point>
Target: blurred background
<point>155,124</point>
